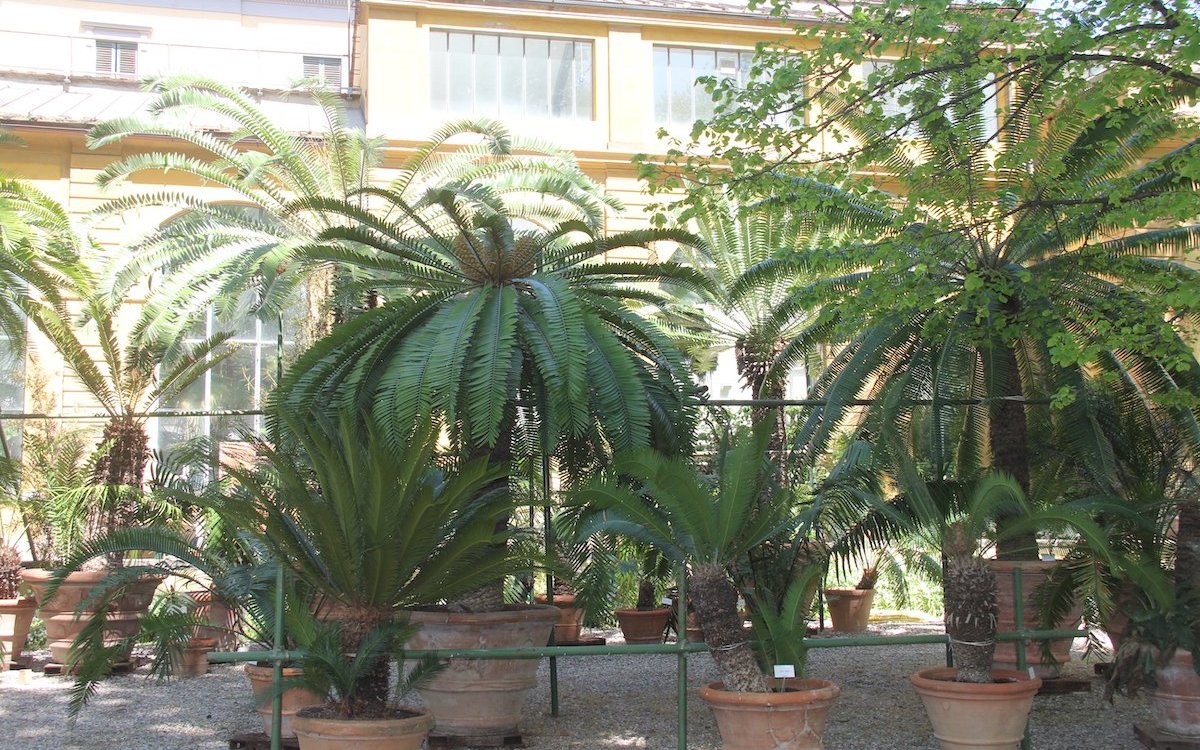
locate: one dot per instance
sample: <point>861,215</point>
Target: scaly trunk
<point>371,690</point>
<point>969,593</point>
<point>1187,555</point>
<point>490,597</point>
<point>753,362</point>
<point>1008,433</point>
<point>715,601</point>
<point>121,471</point>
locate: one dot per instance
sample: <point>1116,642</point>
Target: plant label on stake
<point>667,601</point>
<point>784,671</point>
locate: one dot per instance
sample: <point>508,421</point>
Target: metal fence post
<point>681,655</point>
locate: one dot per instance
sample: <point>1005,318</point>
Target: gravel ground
<point>606,703</point>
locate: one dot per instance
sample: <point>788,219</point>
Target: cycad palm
<point>39,254</point>
<point>259,240</point>
<point>504,313</point>
<point>707,525</point>
<point>1000,281</point>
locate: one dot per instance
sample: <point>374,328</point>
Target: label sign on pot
<point>784,671</point>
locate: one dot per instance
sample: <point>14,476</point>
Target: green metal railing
<point>681,648</point>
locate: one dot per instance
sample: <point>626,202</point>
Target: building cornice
<point>699,15</point>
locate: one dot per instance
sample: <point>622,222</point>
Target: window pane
<point>437,70</point>
<point>705,64</point>
<point>662,85</point>
<point>487,52</point>
<point>512,76</point>
<point>461,87</point>
<point>562,78</point>
<point>583,81</point>
<point>537,78</point>
<point>681,86</point>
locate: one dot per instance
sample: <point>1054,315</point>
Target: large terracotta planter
<point>222,619</point>
<point>570,618</point>
<point>294,699</point>
<point>1033,574</point>
<point>793,719</point>
<point>15,617</point>
<point>849,609</point>
<point>317,733</point>
<point>62,622</point>
<point>968,716</point>
<point>481,697</point>
<point>644,625</point>
<point>1176,699</point>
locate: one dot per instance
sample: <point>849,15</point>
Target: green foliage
<point>1156,631</point>
<point>330,671</point>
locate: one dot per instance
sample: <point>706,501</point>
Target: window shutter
<point>312,68</point>
<point>333,73</point>
<point>127,59</point>
<point>104,57</point>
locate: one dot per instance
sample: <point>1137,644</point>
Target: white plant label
<point>667,601</point>
<point>1032,674</point>
<point>784,671</point>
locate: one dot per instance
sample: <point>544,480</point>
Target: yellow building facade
<point>598,77</point>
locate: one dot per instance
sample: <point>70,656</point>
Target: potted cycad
<point>709,525</point>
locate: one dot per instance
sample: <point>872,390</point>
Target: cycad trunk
<point>372,688</point>
<point>753,362</point>
<point>1187,554</point>
<point>715,601</point>
<point>969,590</point>
<point>490,597</point>
<point>1008,434</point>
<point>121,471</point>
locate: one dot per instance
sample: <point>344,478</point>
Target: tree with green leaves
<point>1002,277</point>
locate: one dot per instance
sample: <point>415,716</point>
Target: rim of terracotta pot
<point>848,592</point>
<point>255,672</point>
<point>642,612</point>
<point>421,721</point>
<point>800,690</point>
<point>560,600</point>
<point>510,613</point>
<point>941,680</point>
<point>43,575</point>
<point>21,602</point>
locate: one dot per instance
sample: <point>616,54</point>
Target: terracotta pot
<point>849,609</point>
<point>1033,573</point>
<point>477,697</point>
<point>316,733</point>
<point>694,633</point>
<point>793,719</point>
<point>193,661</point>
<point>570,618</point>
<point>968,716</point>
<point>15,618</point>
<point>223,620</point>
<point>644,625</point>
<point>294,699</point>
<point>1176,700</point>
<point>63,624</point>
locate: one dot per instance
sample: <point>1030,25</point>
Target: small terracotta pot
<point>294,699</point>
<point>644,625</point>
<point>969,716</point>
<point>570,618</point>
<point>193,661</point>
<point>16,615</point>
<point>1176,700</point>
<point>793,718</point>
<point>849,609</point>
<point>694,633</point>
<point>317,733</point>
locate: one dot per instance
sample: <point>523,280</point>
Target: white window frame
<point>743,59</point>
<point>482,68</point>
